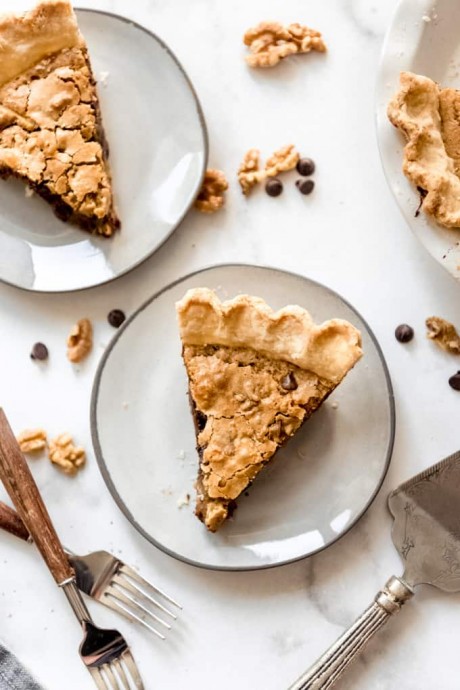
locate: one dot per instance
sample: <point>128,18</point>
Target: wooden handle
<point>12,523</point>
<point>18,481</point>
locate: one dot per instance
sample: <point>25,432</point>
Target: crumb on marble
<point>103,77</point>
<point>183,500</point>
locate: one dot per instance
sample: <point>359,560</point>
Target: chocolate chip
<point>305,186</point>
<point>39,351</point>
<point>305,167</point>
<point>273,186</point>
<point>454,381</point>
<point>404,333</point>
<point>288,382</point>
<point>116,318</point>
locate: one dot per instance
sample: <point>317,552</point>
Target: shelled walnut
<point>444,334</point>
<point>284,159</point>
<point>211,197</point>
<point>32,440</point>
<point>63,453</point>
<point>80,341</point>
<point>249,173</point>
<point>270,42</point>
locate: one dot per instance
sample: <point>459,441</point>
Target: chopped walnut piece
<point>270,42</point>
<point>444,334</point>
<point>285,158</point>
<point>211,197</point>
<point>248,173</point>
<point>80,341</point>
<point>32,440</point>
<point>63,453</point>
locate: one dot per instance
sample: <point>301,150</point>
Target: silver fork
<point>105,653</point>
<point>106,579</point>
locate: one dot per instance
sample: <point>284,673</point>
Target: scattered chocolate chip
<point>454,381</point>
<point>404,333</point>
<point>39,351</point>
<point>273,186</point>
<point>305,167</point>
<point>116,318</point>
<point>305,186</point>
<point>288,382</point>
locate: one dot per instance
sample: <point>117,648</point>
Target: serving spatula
<point>426,532</point>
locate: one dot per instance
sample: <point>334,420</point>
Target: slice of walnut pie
<point>255,376</point>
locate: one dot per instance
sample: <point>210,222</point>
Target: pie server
<point>426,532</point>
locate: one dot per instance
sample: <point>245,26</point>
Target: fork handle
<point>330,667</point>
<point>12,523</point>
<point>23,491</point>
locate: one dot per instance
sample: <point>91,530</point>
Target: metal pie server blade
<point>426,532</point>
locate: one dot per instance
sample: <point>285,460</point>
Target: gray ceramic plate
<point>158,154</point>
<point>423,38</point>
<point>313,492</point>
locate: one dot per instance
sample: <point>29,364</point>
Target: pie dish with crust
<point>429,117</point>
<point>255,376</point>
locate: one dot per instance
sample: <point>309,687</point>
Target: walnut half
<point>65,455</point>
<point>80,341</point>
<point>211,196</point>
<point>32,440</point>
<point>444,334</point>
<point>249,173</point>
<point>270,42</point>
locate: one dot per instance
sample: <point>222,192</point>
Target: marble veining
<point>261,629</point>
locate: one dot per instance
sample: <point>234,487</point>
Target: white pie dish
<point>158,154</point>
<point>316,488</point>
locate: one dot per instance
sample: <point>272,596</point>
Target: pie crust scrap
<point>429,116</point>
<point>255,376</point>
<point>51,133</point>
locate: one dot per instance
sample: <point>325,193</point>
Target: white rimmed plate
<point>313,492</point>
<point>423,38</point>
<point>158,154</point>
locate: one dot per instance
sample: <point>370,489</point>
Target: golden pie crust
<point>254,377</point>
<point>429,117</point>
<point>51,133</point>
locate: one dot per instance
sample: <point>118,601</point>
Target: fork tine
<point>127,570</point>
<point>121,673</point>
<point>128,660</point>
<point>98,678</point>
<point>111,676</point>
<point>125,596</point>
<point>133,587</point>
<point>117,605</point>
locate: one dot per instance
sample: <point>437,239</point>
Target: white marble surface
<point>261,629</point>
